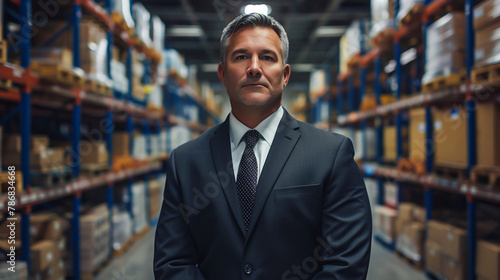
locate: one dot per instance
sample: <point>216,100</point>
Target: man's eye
<point>266,57</point>
<point>241,57</point>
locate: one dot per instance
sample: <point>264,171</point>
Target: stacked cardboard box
<point>142,19</point>
<point>93,45</point>
<point>487,27</point>
<point>382,12</point>
<point>385,219</point>
<point>445,48</point>
<point>139,147</point>
<point>450,136</point>
<point>390,194</point>
<point>121,142</point>
<point>122,8</point>
<point>122,229</point>
<point>390,152</point>
<point>350,42</point>
<point>410,225</point>
<point>487,133</point>
<point>94,153</point>
<point>119,76</point>
<point>48,249</point>
<point>42,158</point>
<point>155,198</point>
<point>94,238</point>
<point>417,137</point>
<point>488,260</point>
<point>446,254</point>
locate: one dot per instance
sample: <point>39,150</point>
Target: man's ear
<point>220,73</point>
<point>286,75</point>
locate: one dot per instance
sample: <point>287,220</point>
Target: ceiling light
<point>184,31</point>
<point>329,31</point>
<point>260,9</point>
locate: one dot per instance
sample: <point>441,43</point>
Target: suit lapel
<point>221,153</point>
<point>286,137</point>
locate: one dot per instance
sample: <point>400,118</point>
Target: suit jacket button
<point>247,268</point>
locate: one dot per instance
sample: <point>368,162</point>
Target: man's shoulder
<point>317,133</point>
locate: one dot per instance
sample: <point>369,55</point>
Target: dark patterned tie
<point>246,182</point>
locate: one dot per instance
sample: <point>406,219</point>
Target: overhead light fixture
<point>184,31</point>
<point>259,9</point>
<point>329,31</point>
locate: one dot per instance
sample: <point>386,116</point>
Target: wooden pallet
<point>411,166</point>
<point>444,81</point>
<point>416,264</point>
<point>94,169</point>
<point>486,175</point>
<point>98,87</point>
<point>51,178</point>
<point>59,74</point>
<point>486,74</point>
<point>413,14</point>
<point>453,172</point>
<point>3,51</point>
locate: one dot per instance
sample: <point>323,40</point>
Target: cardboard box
<point>487,54</point>
<point>419,214</point>
<point>42,255</point>
<point>95,153</point>
<point>450,136</point>
<point>39,143</point>
<point>486,13</point>
<point>488,260</point>
<point>390,153</point>
<point>487,133</point>
<point>405,211</point>
<point>385,218</point>
<point>453,269</point>
<point>121,141</point>
<point>455,243</point>
<point>436,231</point>
<point>488,34</point>
<point>61,56</point>
<point>55,271</point>
<point>433,257</point>
<point>37,160</point>
<point>390,194</point>
<point>47,226</point>
<point>417,138</point>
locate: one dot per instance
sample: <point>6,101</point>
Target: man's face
<point>254,74</point>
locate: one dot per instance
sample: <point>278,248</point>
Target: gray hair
<point>253,20</point>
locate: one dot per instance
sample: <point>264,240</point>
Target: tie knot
<point>251,137</point>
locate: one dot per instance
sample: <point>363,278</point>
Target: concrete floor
<point>136,264</point>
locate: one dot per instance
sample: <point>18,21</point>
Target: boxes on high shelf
<point>450,136</point>
<point>158,31</point>
<point>445,53</point>
<point>390,153</point>
<point>142,19</point>
<point>350,42</point>
<point>390,194</point>
<point>369,146</point>
<point>94,153</point>
<point>121,141</point>
<point>38,143</point>
<point>46,226</point>
<point>486,13</point>
<point>487,45</point>
<point>488,260</point>
<point>417,138</point>
<point>37,160</point>
<point>385,222</point>
<point>62,56</point>
<point>488,134</point>
<point>139,147</point>
<point>122,7</point>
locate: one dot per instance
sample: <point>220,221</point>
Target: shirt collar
<point>267,128</point>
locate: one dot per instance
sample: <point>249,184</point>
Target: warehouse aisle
<point>136,264</point>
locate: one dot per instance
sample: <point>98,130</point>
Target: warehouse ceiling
<point>304,20</point>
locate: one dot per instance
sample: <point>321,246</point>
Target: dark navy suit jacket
<point>311,218</point>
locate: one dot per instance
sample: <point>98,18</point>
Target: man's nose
<point>254,69</point>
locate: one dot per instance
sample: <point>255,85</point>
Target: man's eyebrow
<point>238,51</point>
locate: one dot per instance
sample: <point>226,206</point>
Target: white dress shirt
<point>267,128</point>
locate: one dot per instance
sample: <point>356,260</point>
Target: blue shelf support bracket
<point>147,135</point>
<point>130,204</point>
<point>75,20</point>
<point>109,203</point>
<point>77,117</point>
<point>76,236</point>
<point>130,130</point>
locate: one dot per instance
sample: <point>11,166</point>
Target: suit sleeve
<point>347,222</point>
<point>175,255</point>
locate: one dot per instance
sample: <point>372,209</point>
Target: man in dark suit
<point>262,195</point>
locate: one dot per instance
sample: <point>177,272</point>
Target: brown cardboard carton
<point>419,214</point>
<point>488,134</point>
<point>95,153</point>
<point>488,34</point>
<point>436,231</point>
<point>42,254</point>
<point>455,244</point>
<point>37,160</point>
<point>55,271</point>
<point>433,257</point>
<point>487,53</point>
<point>38,143</point>
<point>405,211</point>
<point>121,144</point>
<point>486,13</point>
<point>390,153</point>
<point>52,56</point>
<point>453,269</point>
<point>488,260</point>
<point>450,136</point>
<point>46,226</point>
<point>417,137</point>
